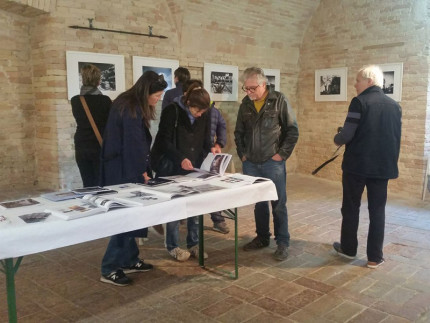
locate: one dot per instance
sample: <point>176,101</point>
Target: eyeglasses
<point>250,89</point>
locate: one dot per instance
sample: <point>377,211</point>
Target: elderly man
<point>371,133</point>
<point>265,135</point>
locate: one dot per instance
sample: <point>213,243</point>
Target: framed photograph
<point>330,84</point>
<point>166,67</point>
<point>273,77</point>
<point>112,68</point>
<point>221,81</point>
<point>393,75</point>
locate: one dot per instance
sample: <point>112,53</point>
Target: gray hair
<point>251,72</point>
<point>374,73</point>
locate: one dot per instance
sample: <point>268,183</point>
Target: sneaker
<point>375,264</point>
<point>221,227</point>
<point>194,252</point>
<point>140,267</point>
<point>117,278</point>
<point>337,247</point>
<point>257,243</point>
<point>180,254</point>
<point>281,252</point>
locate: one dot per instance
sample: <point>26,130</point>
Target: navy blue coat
<point>126,146</point>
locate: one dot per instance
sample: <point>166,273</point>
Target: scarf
<point>90,90</point>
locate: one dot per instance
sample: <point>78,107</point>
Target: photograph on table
<point>165,67</point>
<point>393,74</point>
<point>330,84</point>
<point>273,77</point>
<point>112,81</point>
<point>221,81</point>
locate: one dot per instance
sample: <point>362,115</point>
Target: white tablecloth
<point>19,238</point>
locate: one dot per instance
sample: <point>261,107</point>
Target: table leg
<point>236,246</point>
<point>10,271</point>
<point>201,242</point>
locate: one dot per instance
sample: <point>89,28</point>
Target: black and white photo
<point>330,84</point>
<point>221,81</point>
<point>112,68</point>
<point>393,74</point>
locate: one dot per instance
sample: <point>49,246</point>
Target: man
<point>181,75</point>
<point>371,133</point>
<point>265,135</point>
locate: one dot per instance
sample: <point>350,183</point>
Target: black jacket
<point>192,140</point>
<point>261,135</point>
<point>374,149</point>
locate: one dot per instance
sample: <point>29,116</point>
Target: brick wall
<point>352,34</point>
<point>17,111</point>
<point>239,33</point>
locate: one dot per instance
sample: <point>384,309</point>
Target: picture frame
<point>163,66</point>
<point>393,75</point>
<point>331,84</point>
<point>221,81</point>
<point>112,68</point>
<point>273,77</point>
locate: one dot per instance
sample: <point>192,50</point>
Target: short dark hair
<point>197,97</point>
<point>188,83</point>
<point>183,74</point>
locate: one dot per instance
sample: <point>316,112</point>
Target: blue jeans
<point>275,171</point>
<point>217,217</point>
<point>172,233</point>
<point>122,251</point>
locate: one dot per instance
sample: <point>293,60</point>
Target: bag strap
<point>90,118</point>
<point>334,156</point>
<point>176,125</point>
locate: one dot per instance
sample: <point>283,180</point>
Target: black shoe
<point>117,278</point>
<point>281,252</point>
<point>257,243</point>
<point>140,267</point>
<point>338,248</point>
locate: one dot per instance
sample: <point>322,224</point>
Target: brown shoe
<point>375,264</point>
<point>159,229</point>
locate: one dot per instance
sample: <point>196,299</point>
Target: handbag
<point>90,118</point>
<point>166,166</point>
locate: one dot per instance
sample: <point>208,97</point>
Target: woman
<point>87,147</point>
<point>193,143</point>
<point>125,159</point>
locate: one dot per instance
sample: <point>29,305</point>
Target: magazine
<point>213,165</point>
<point>35,217</point>
<point>138,196</point>
<point>93,190</point>
<point>61,196</point>
<point>18,203</point>
<point>237,180</point>
<point>89,205</point>
<point>180,190</point>
<point>157,182</point>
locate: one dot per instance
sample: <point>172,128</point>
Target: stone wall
<point>351,34</point>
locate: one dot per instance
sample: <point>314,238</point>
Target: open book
<point>172,191</point>
<point>89,205</point>
<point>213,165</point>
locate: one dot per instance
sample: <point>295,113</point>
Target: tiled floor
<point>312,285</point>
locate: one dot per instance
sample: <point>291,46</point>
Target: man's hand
<point>186,164</point>
<point>277,157</point>
<point>243,158</point>
<point>216,149</point>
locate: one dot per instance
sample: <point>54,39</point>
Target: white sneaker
<point>194,251</point>
<point>180,254</point>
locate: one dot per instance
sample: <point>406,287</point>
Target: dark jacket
<point>192,140</point>
<point>171,94</point>
<point>374,149</point>
<point>261,135</point>
<point>125,151</point>
<point>99,106</point>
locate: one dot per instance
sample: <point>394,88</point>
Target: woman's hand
<point>146,178</point>
<point>186,164</point>
<point>216,149</point>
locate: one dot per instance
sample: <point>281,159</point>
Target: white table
<point>19,238</point>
